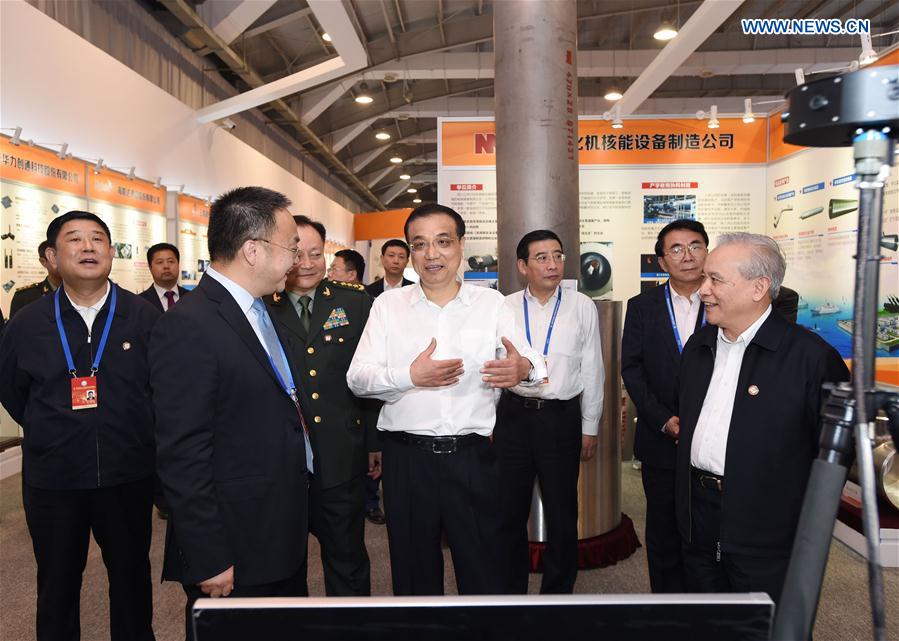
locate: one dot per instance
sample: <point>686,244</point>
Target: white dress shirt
<point>89,313</point>
<point>686,313</point>
<point>388,286</point>
<point>401,325</point>
<point>244,300</point>
<point>709,445</point>
<point>160,291</point>
<point>574,359</point>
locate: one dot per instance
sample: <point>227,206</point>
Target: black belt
<point>707,480</point>
<point>538,403</point>
<point>437,444</point>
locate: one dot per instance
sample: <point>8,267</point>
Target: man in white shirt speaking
<point>750,395</point>
<point>436,352</point>
<point>544,431</point>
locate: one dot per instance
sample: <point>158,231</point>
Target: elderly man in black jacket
<point>750,393</point>
<point>74,375</point>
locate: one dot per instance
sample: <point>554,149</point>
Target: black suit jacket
<point>773,435</point>
<point>150,294</point>
<point>343,428</point>
<point>649,365</point>
<point>376,288</point>
<point>230,446</point>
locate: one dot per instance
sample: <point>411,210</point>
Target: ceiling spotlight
<point>747,111</point>
<point>16,137</point>
<point>98,166</point>
<point>131,173</point>
<point>412,190</point>
<point>382,135</point>
<point>326,37</point>
<point>158,182</point>
<point>405,176</point>
<point>713,118</point>
<point>800,76</point>
<point>617,124</point>
<point>363,98</point>
<point>62,151</point>
<point>666,31</point>
<point>616,117</point>
<point>613,94</point>
<point>868,55</point>
<point>416,200</point>
<point>396,160</point>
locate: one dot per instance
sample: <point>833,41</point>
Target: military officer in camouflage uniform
<point>325,320</point>
<point>34,291</point>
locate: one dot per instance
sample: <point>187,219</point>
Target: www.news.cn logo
<point>804,27</point>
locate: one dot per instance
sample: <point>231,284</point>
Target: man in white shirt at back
<point>544,431</point>
<point>436,352</point>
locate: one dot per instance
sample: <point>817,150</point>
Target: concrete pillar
<point>536,127</point>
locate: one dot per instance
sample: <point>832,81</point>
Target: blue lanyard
<point>552,322</point>
<point>288,386</point>
<point>95,367</point>
<point>680,346</point>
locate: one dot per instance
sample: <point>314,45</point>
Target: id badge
<point>545,380</point>
<point>84,392</point>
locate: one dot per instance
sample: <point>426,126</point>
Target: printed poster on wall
<point>134,210</point>
<point>36,185</point>
<point>193,227</point>
<point>812,212</point>
<point>633,181</point>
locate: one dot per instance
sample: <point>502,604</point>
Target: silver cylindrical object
<point>536,99</point>
<point>599,483</point>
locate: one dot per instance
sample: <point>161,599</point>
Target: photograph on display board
<point>650,267</point>
<point>667,207</point>
<point>595,270</point>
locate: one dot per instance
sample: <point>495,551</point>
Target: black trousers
<point>60,523</point>
<point>427,493</point>
<point>664,551</point>
<point>544,444</point>
<point>337,519</point>
<point>292,586</point>
<point>708,569</point>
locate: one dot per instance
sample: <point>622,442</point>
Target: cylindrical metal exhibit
<point>599,484</point>
<point>535,89</point>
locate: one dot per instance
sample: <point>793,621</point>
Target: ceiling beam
<point>707,17</point>
<point>358,163</point>
<point>379,175</point>
<point>334,19</point>
<point>277,22</point>
<point>230,19</point>
<point>343,137</point>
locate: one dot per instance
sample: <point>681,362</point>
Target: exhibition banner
<point>812,212</point>
<point>36,185</point>
<point>134,210</point>
<point>193,240</point>
<point>623,204</point>
<point>472,143</point>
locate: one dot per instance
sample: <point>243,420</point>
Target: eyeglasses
<point>543,259</point>
<point>679,251</point>
<point>293,250</point>
<point>443,243</point>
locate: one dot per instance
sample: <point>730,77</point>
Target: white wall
<point>60,88</point>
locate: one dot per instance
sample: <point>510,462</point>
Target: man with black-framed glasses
<point>545,431</point>
<point>437,352</point>
<point>657,325</point>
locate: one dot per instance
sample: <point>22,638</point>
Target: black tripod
<point>859,109</point>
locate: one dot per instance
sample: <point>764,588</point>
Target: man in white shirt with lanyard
<point>436,352</point>
<point>545,431</point>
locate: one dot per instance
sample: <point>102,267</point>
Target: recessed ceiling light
<point>665,32</point>
<point>326,37</point>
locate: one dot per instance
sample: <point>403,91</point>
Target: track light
<point>131,173</point>
<point>98,166</point>
<point>713,118</point>
<point>382,135</point>
<point>615,114</point>
<point>16,137</point>
<point>747,111</point>
<point>396,160</point>
<point>63,150</point>
<point>158,182</point>
<point>666,31</point>
<point>363,98</point>
<point>868,55</point>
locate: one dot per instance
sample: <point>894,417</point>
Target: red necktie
<point>169,300</point>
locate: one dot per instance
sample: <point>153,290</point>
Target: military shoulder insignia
<point>336,319</point>
<point>352,286</point>
<point>276,298</point>
<point>27,287</point>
